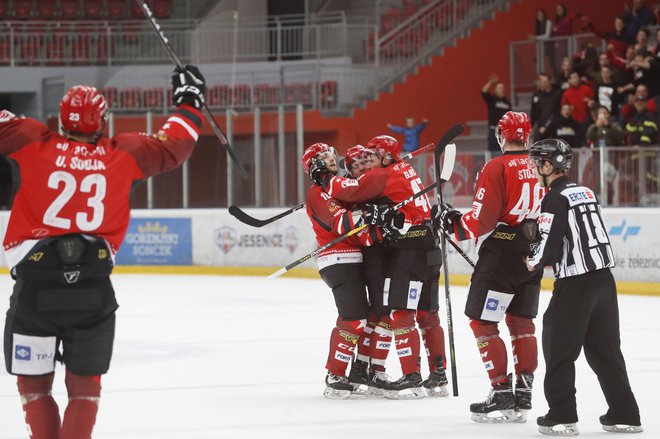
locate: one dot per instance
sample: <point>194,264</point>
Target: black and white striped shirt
<point>574,237</point>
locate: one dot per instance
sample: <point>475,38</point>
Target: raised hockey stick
<point>205,109</point>
<point>245,218</point>
<point>350,233</point>
<point>439,149</point>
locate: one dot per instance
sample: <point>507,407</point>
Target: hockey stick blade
<point>243,217</point>
<point>205,109</point>
<point>448,162</point>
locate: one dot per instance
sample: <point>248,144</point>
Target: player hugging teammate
<point>399,264</point>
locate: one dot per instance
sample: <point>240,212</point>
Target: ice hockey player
<point>583,311</point>
<point>402,276</point>
<point>506,203</point>
<point>340,267</point>
<point>69,218</point>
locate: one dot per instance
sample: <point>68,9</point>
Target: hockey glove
<point>445,217</point>
<point>319,173</point>
<point>188,87</point>
<point>385,218</point>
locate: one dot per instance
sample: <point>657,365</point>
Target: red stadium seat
<point>218,95</point>
<point>104,48</point>
<point>69,9</point>
<point>5,49</point>
<point>46,9</point>
<point>116,9</point>
<point>92,9</point>
<point>130,98</point>
<point>29,47</point>
<point>266,94</point>
<point>152,98</point>
<point>298,92</point>
<point>22,9</point>
<point>162,8</point>
<point>4,8</point>
<point>136,10</point>
<point>241,95</point>
<point>56,46</point>
<point>329,94</point>
<point>111,96</point>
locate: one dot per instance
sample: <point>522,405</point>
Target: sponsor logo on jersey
<point>23,353</point>
<point>492,304</point>
<point>36,257</point>
<point>505,236</point>
<point>579,195</point>
<point>103,253</point>
<point>405,352</point>
<point>416,233</point>
<point>484,354</point>
<point>351,338</point>
<point>402,331</point>
<point>40,233</point>
<point>482,344</point>
<point>349,182</point>
<point>71,277</point>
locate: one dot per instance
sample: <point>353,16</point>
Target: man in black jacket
<point>546,103</point>
<point>583,311</point>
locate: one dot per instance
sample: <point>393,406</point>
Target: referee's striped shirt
<point>574,236</point>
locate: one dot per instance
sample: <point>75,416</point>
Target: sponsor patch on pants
<point>495,306</point>
<point>33,355</point>
<point>414,291</point>
<point>386,291</point>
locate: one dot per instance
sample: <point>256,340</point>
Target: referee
<point>583,311</point>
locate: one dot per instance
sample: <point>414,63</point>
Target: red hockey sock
<point>492,349</point>
<point>406,339</point>
<point>380,341</point>
<point>343,341</point>
<point>523,342</point>
<point>433,337</point>
<point>41,412</point>
<point>364,342</point>
<point>80,415</point>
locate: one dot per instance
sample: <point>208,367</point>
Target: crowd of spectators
<point>602,99</point>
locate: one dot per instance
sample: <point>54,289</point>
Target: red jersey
<point>72,187</point>
<point>507,192</point>
<point>330,220</point>
<point>390,185</point>
<point>578,98</point>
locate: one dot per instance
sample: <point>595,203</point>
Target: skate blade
<point>359,390</point>
<point>375,392</point>
<point>623,428</point>
<point>437,392</point>
<point>560,430</point>
<point>521,416</point>
<point>412,393</point>
<point>331,393</point>
<point>497,417</point>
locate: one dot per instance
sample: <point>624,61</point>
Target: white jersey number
<point>422,201</point>
<point>529,203</point>
<point>95,201</point>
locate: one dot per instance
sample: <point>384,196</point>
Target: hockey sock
<point>41,412</point>
<point>343,341</point>
<point>364,342</point>
<point>492,349</point>
<point>380,341</point>
<point>523,342</point>
<point>433,337</point>
<point>406,339</point>
<point>80,415</point>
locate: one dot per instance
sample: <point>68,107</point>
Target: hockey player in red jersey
<point>402,275</point>
<point>340,267</point>
<point>506,202</point>
<point>69,218</point>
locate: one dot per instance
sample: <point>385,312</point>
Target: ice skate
<point>377,383</point>
<point>554,428</point>
<point>436,383</point>
<point>499,406</point>
<point>615,427</point>
<point>524,395</point>
<point>359,378</point>
<point>407,387</point>
<point>337,387</point>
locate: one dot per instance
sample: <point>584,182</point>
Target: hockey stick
<point>350,233</point>
<point>458,249</point>
<point>439,149</point>
<point>245,218</point>
<point>207,113</point>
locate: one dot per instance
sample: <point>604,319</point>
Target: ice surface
<point>243,357</point>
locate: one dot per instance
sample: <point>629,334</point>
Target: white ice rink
<point>243,357</point>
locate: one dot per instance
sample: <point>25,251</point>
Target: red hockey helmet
<point>514,126</point>
<point>312,152</point>
<point>353,154</point>
<point>83,110</point>
<point>384,144</point>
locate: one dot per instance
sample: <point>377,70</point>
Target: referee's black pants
<point>583,312</point>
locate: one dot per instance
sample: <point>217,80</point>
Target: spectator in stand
<point>617,39</point>
<point>604,61</point>
<point>642,43</point>
<point>605,132</point>
<point>643,128</point>
<point>546,103</point>
<point>564,127</point>
<point>579,96</point>
<point>543,31</point>
<point>562,79</point>
<point>636,17</point>
<point>497,105</point>
<point>605,91</point>
<point>646,70</point>
<point>563,22</point>
<point>656,48</point>
<point>585,62</point>
<point>628,110</point>
<point>410,132</point>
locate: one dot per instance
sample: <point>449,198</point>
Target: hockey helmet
<point>514,126</point>
<point>384,144</point>
<point>555,151</point>
<point>83,110</point>
<point>353,154</point>
<point>313,152</point>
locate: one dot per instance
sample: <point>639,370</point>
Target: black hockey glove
<point>385,218</point>
<point>319,173</point>
<point>445,217</point>
<point>188,87</point>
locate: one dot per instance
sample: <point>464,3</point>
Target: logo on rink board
<point>227,238</point>
<point>157,241</point>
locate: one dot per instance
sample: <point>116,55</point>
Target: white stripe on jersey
<point>185,125</point>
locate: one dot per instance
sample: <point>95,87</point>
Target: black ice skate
<point>617,427</point>
<point>378,381</point>
<point>407,387</point>
<point>337,387</point>
<point>359,377</point>
<point>555,428</point>
<point>499,406</point>
<point>524,394</point>
<point>436,383</point>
